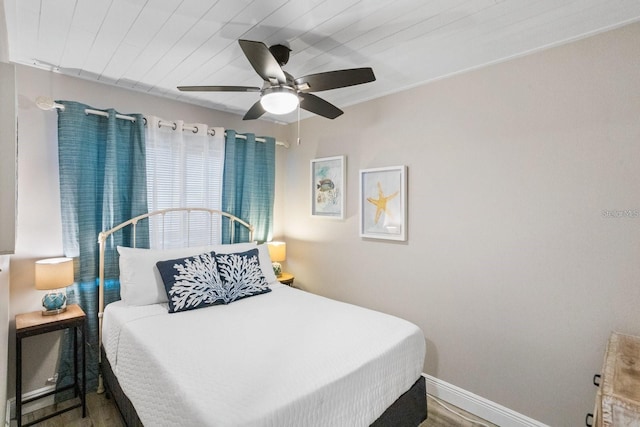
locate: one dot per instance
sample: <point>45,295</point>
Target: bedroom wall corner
<point>4,333</point>
<point>7,203</point>
<point>8,153</point>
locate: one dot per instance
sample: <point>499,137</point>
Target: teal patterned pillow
<point>241,275</point>
<point>192,282</point>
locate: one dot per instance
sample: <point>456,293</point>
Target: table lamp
<point>52,275</point>
<point>278,253</point>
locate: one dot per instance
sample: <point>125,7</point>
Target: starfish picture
<point>381,202</point>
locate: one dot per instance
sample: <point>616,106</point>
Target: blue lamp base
<point>54,303</point>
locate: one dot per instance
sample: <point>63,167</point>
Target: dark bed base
<point>408,410</point>
<point>114,391</point>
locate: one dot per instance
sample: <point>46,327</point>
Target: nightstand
<point>34,323</point>
<point>286,278</point>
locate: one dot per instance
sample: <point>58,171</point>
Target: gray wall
<point>7,158</point>
<point>7,208</point>
<point>513,269</point>
<point>4,332</point>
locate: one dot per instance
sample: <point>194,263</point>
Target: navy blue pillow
<point>211,279</point>
<point>241,275</point>
<point>192,282</point>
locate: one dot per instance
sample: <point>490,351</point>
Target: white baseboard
<point>32,406</point>
<point>479,406</point>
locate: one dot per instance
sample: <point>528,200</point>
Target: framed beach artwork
<point>383,203</point>
<point>328,187</point>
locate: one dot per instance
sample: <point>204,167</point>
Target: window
<point>185,166</point>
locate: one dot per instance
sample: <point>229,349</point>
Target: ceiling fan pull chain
<point>298,124</point>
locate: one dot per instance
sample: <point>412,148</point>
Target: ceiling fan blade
<point>262,61</point>
<point>218,89</point>
<point>254,112</point>
<point>319,106</point>
<point>335,79</point>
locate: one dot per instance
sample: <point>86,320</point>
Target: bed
<point>274,356</point>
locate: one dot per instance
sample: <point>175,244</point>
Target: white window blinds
<point>184,169</point>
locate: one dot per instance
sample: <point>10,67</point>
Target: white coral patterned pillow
<point>192,282</point>
<point>211,279</point>
<point>241,275</point>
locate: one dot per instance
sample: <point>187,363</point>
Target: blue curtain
<point>248,185</point>
<point>102,183</point>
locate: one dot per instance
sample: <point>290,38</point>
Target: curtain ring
<point>195,129</point>
<point>175,126</point>
<point>213,132</point>
<point>144,120</point>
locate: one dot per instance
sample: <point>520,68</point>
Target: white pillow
<point>266,264</point>
<point>140,281</point>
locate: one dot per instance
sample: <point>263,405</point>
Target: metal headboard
<point>133,222</point>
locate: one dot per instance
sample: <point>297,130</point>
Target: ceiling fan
<point>281,93</point>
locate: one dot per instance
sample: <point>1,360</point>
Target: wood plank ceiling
<point>155,45</point>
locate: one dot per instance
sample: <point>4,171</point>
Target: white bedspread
<point>284,358</point>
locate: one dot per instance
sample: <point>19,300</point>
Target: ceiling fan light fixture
<point>279,100</point>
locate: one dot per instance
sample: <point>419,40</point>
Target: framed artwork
<point>328,187</point>
<point>383,203</point>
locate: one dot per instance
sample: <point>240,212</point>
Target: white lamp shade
<point>277,251</point>
<point>54,273</point>
<point>279,100</point>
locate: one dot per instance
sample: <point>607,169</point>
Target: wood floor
<point>441,417</point>
<point>102,412</point>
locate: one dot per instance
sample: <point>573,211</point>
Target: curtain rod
<point>48,104</point>
<point>194,129</point>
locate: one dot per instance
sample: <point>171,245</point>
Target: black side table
<point>34,323</point>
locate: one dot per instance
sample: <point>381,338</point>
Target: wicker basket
<point>618,400</point>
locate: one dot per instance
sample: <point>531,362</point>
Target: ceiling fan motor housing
<point>280,53</point>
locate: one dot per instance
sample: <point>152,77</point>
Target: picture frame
<point>328,187</point>
<point>383,203</point>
